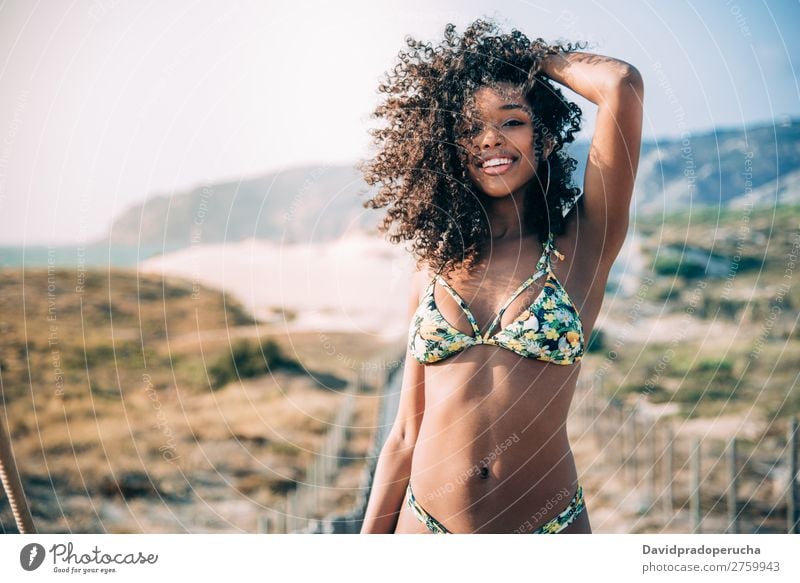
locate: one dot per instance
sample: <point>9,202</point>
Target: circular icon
<point>31,556</point>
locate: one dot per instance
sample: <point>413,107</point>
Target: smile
<point>497,166</point>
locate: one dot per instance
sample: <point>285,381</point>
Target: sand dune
<point>357,283</point>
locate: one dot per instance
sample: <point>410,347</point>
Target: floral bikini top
<point>550,329</point>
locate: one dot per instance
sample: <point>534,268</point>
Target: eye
<point>515,122</point>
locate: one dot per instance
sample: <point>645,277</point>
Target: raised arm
<point>392,472</point>
<point>617,89</point>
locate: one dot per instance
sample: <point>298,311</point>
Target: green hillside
<point>720,308</point>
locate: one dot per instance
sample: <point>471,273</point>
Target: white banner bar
<point>349,558</point>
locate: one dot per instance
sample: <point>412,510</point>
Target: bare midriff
<point>492,454</point>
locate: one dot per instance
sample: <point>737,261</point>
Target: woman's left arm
<point>616,87</point>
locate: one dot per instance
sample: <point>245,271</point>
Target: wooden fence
<point>681,482</point>
<point>303,503</point>
<point>732,485</point>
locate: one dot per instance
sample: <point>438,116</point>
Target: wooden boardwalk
<point>641,473</point>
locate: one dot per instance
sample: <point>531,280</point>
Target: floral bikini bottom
<point>552,526</point>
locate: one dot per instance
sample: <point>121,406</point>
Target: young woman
<point>512,262</point>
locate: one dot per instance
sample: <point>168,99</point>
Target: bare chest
<point>501,287</point>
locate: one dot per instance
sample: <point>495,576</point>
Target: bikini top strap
<point>550,247</point>
<point>432,282</point>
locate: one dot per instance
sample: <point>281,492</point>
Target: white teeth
<point>496,162</point>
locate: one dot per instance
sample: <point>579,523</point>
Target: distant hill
<point>304,204</point>
<point>721,163</point>
<point>319,203</point>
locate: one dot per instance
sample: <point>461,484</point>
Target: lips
<point>496,165</point>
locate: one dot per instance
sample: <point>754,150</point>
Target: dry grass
<point>114,425</point>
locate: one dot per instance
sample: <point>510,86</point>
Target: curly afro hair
<point>422,170</point>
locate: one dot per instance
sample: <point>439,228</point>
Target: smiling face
<point>496,136</point>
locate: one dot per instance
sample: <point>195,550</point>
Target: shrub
<point>718,366</point>
<point>656,394</point>
<point>694,393</point>
<point>713,370</point>
<point>673,266</point>
<point>667,293</point>
<point>247,360</point>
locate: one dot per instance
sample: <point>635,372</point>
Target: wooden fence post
<point>621,442</point>
<point>651,467</point>
<point>263,524</point>
<point>609,425</point>
<point>600,417</point>
<point>668,458</point>
<point>290,508</point>
<point>599,413</point>
<point>694,499</point>
<point>611,428</point>
<point>605,433</point>
<point>587,404</point>
<point>315,482</point>
<point>283,516</point>
<point>634,447</point>
<point>733,510</point>
<point>792,526</point>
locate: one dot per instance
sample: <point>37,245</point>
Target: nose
<point>490,137</point>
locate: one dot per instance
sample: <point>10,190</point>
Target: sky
<point>104,103</point>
